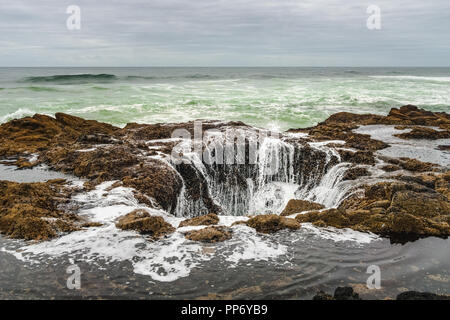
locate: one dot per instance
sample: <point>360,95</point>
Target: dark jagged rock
<point>143,222</point>
<point>345,293</point>
<point>401,211</point>
<point>355,173</point>
<point>341,293</point>
<point>359,157</point>
<point>415,295</point>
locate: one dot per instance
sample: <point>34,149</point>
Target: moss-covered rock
<point>210,234</point>
<point>269,223</point>
<point>142,222</point>
<point>206,220</point>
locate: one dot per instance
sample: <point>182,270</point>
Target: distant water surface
<point>275,98</point>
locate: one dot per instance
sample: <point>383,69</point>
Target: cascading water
<point>243,183</point>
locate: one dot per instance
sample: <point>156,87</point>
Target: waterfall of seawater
<point>281,170</point>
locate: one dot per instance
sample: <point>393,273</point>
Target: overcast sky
<point>225,33</point>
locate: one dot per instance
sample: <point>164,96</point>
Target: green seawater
<point>275,98</point>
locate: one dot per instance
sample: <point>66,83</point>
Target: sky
<point>224,33</point>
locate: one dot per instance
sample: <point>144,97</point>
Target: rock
<point>91,224</point>
<point>206,220</point>
<point>416,165</point>
<point>329,130</point>
<point>412,115</point>
<point>297,206</point>
<point>359,157</point>
<point>269,223</point>
<point>415,295</point>
<point>424,133</point>
<point>31,211</point>
<point>398,210</point>
<point>37,133</point>
<point>143,222</point>
<point>322,296</point>
<point>341,293</point>
<point>345,293</point>
<point>210,234</point>
<point>355,173</point>
<point>390,168</point>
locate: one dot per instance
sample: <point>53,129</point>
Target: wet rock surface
<point>271,223</point>
<point>210,234</point>
<point>347,293</point>
<point>297,206</point>
<point>142,222</point>
<point>205,220</point>
<point>399,210</point>
<point>415,295</point>
<point>413,203</point>
<point>33,211</point>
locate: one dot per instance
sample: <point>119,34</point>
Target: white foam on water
<point>438,79</point>
<point>19,113</point>
<point>340,235</point>
<point>251,246</point>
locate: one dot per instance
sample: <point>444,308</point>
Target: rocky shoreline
<point>396,197</point>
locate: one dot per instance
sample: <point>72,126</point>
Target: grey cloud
<point>224,32</point>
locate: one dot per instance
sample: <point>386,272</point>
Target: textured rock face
<point>399,210</point>
<point>206,220</point>
<point>270,223</point>
<point>415,202</point>
<point>32,211</point>
<point>297,206</point>
<point>424,133</point>
<point>143,222</point>
<point>210,234</point>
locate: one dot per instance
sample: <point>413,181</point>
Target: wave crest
<point>72,78</point>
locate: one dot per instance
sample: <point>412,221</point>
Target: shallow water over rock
<point>313,261</point>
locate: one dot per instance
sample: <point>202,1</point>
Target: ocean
<point>273,98</point>
<point>285,265</point>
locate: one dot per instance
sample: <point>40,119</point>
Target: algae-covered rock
<point>424,133</point>
<point>31,211</point>
<point>206,220</point>
<point>210,234</point>
<point>355,173</point>
<point>269,223</point>
<point>297,206</point>
<point>142,222</point>
<point>398,210</point>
